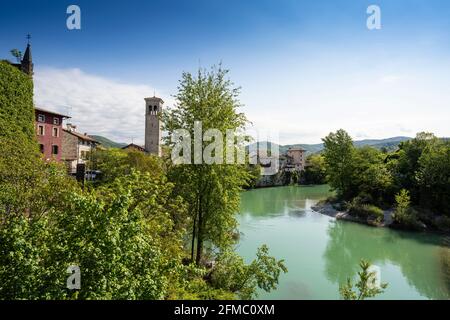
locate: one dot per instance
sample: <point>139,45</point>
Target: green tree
<point>315,172</point>
<point>17,54</point>
<point>339,155</point>
<point>372,176</point>
<point>114,163</point>
<point>231,273</point>
<point>212,191</point>
<point>366,285</point>
<point>433,177</point>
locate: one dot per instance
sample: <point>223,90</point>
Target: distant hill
<point>389,143</point>
<point>108,143</point>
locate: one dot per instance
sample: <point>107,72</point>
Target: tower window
<point>155,108</point>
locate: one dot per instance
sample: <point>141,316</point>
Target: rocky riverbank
<point>331,210</point>
<point>328,209</point>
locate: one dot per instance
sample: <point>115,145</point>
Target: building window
<point>56,121</point>
<point>41,148</point>
<point>41,118</point>
<point>55,149</point>
<point>41,130</point>
<point>55,132</point>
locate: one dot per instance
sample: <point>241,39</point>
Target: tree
<point>433,177</point>
<point>17,54</point>
<point>366,285</point>
<point>315,172</point>
<point>339,155</point>
<point>231,273</point>
<point>212,191</point>
<point>372,176</point>
<point>114,163</point>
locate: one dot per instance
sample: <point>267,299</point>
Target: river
<point>320,252</point>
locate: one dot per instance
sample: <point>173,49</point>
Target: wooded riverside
<point>134,232</point>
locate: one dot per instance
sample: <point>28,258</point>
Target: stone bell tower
<point>153,108</point>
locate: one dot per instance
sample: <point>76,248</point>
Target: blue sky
<point>305,67</point>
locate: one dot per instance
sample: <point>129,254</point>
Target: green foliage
<point>339,154</point>
<point>364,210</point>
<point>17,54</point>
<point>315,171</point>
<point>433,177</point>
<point>421,166</point>
<point>211,190</point>
<point>127,233</point>
<point>114,163</point>
<point>404,214</point>
<point>232,273</point>
<point>366,285</point>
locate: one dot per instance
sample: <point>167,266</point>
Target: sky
<point>305,68</point>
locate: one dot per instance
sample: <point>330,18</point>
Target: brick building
<point>49,129</point>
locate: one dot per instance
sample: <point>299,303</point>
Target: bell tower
<point>153,108</point>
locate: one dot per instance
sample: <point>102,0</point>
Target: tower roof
<point>154,99</point>
<point>27,55</point>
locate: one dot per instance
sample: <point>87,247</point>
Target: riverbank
<point>329,209</point>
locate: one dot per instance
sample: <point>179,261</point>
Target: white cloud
<point>97,105</point>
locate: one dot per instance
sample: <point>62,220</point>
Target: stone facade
<point>77,148</point>
<point>153,108</point>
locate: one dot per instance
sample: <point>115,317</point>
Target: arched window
<point>155,108</point>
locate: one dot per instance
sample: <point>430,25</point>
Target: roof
<point>132,145</point>
<point>154,99</point>
<point>51,112</point>
<point>27,55</point>
<point>81,136</point>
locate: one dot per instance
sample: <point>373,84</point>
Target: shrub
<point>364,210</point>
<point>404,215</point>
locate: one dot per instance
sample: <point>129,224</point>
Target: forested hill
<point>107,143</point>
<point>389,143</point>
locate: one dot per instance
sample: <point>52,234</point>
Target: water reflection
<point>423,260</point>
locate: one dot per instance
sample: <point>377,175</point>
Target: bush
<point>405,216</point>
<point>364,210</point>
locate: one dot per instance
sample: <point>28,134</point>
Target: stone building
<point>77,148</point>
<point>153,109</point>
<point>295,159</point>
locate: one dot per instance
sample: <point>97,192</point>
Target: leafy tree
<point>232,273</point>
<point>406,164</point>
<point>114,163</point>
<point>212,191</point>
<point>366,285</point>
<point>371,174</point>
<point>433,177</point>
<point>315,172</point>
<point>17,54</point>
<point>339,155</point>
